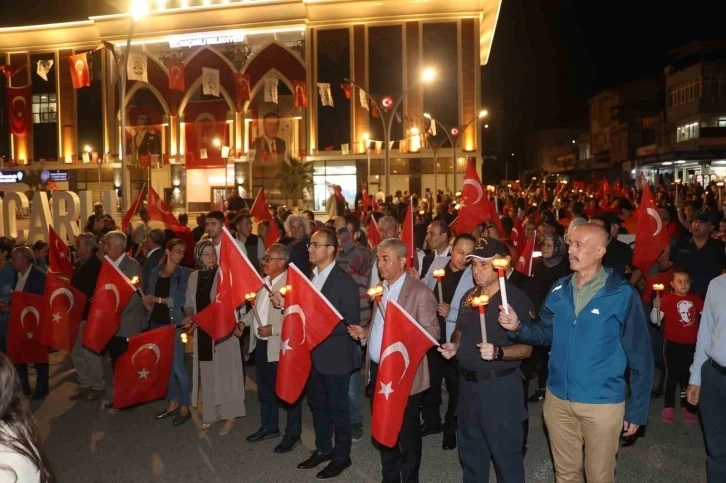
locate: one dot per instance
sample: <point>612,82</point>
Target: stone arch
<point>197,84</point>
<point>275,56</point>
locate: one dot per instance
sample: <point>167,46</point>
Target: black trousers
<point>678,359</point>
<point>440,369</point>
<point>328,399</point>
<point>116,348</point>
<point>403,461</point>
<point>269,402</point>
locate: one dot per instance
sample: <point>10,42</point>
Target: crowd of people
<point>578,318</point>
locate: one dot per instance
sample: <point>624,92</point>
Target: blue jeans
<point>711,403</point>
<point>178,379</point>
<point>354,397</point>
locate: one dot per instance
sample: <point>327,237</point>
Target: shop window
<point>687,131</point>
<point>45,108</point>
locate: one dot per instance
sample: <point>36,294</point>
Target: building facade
<point>219,94</point>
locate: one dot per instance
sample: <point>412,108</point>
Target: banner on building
<point>205,131</point>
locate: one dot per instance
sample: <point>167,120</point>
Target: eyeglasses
<point>267,259</point>
<point>317,245</point>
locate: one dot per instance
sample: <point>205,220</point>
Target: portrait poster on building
<point>275,130</point>
<point>144,127</point>
<point>206,133</point>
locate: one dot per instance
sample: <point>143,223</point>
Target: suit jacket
<point>35,283</point>
<point>151,263</point>
<point>133,317</point>
<point>84,279</point>
<point>419,301</point>
<point>260,144</point>
<point>339,353</point>
<point>274,318</point>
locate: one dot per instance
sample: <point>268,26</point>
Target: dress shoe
<point>263,434</point>
<point>449,442</point>
<point>287,444</point>
<point>95,395</point>
<point>37,396</point>
<point>181,419</point>
<point>166,413</point>
<point>316,459</point>
<point>82,393</point>
<point>333,469</point>
<point>428,430</point>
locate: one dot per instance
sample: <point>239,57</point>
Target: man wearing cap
<point>619,255</point>
<point>701,254</point>
<point>491,411</point>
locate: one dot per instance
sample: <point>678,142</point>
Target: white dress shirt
<point>120,259</point>
<point>376,279</point>
<point>437,263</point>
<point>319,278</point>
<point>711,342</point>
<point>263,306</point>
<point>390,292</point>
<point>22,278</point>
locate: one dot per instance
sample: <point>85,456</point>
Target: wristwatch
<point>500,354</point>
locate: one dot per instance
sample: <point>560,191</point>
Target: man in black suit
<point>144,141</point>
<point>89,365</point>
<point>334,360</point>
<point>30,279</point>
<point>154,246</point>
<point>272,146</point>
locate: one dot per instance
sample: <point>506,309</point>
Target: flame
<point>375,291</point>
<point>500,263</point>
<point>439,273</point>
<point>135,280</point>
<point>480,300</point>
<point>285,290</point>
<point>183,337</point>
<point>658,286</point>
<point>250,296</point>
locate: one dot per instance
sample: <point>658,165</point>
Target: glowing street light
<point>428,75</point>
<point>217,143</point>
<point>483,113</point>
<point>139,9</point>
<point>88,149</point>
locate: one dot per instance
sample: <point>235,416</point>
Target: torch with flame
<point>439,274</point>
<point>481,303</point>
<point>376,293</point>
<point>658,287</point>
<point>502,264</point>
<point>135,282</point>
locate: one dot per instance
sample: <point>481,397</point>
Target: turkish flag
<point>176,75</point>
<point>518,237</point>
<point>347,89</point>
<point>403,345</point>
<point>158,210</point>
<point>524,264</point>
<point>134,208</point>
<point>112,294</point>
<point>58,253</point>
<point>142,373</point>
<point>374,236</point>
<point>309,319</point>
<point>407,236</point>
<point>26,316</point>
<point>261,212</point>
<point>494,217</point>
<point>62,315</point>
<point>242,91</point>
<point>80,75</point>
<point>235,278</point>
<point>11,70</point>
<point>19,109</point>
<point>301,93</point>
<point>474,204</point>
<point>651,237</point>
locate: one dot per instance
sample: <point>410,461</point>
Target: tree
<point>294,177</point>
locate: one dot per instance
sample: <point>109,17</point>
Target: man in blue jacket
<point>595,322</point>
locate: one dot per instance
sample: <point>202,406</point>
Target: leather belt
<point>476,376</point>
<point>718,367</point>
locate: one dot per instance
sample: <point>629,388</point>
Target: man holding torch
<point>490,412</point>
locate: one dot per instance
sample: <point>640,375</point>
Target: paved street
<point>88,444</point>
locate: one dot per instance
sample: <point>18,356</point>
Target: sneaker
<point>668,415</point>
<point>688,416</point>
<point>357,432</point>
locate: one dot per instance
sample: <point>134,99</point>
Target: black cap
<point>612,218</point>
<point>708,216</point>
<point>487,248</point>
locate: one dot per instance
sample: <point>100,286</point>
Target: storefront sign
<point>10,177</point>
<point>56,176</point>
<point>205,38</point>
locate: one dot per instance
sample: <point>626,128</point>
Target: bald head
<point>588,244</point>
<point>594,232</point>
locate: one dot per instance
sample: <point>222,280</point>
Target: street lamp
<point>367,140</point>
<point>455,132</point>
<point>387,107</point>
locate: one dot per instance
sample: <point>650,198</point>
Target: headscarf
<point>201,245</point>
<point>558,251</point>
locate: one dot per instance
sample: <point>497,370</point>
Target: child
<point>681,312</point>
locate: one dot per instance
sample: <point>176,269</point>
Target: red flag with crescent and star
<point>518,236</point>
<point>407,236</point>
<point>142,373</point>
<point>524,263</point>
<point>112,294</point>
<point>11,70</point>
<point>301,93</point>
<point>261,212</point>
<point>134,208</point>
<point>176,75</point>
<point>474,203</point>
<point>403,346</point>
<point>80,75</point>
<point>158,211</point>
<point>62,315</point>
<point>308,320</point>
<point>651,237</point>
<point>26,317</point>
<point>59,254</point>
<point>374,235</point>
<point>235,278</point>
<point>19,109</point>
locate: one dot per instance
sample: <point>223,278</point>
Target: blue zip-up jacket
<point>591,351</point>
<point>177,292</point>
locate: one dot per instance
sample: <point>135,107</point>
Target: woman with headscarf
<point>555,264</point>
<point>217,364</point>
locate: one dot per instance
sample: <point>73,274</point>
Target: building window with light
<point>687,131</point>
<point>45,108</point>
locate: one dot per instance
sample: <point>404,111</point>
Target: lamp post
<point>88,150</point>
<point>387,108</point>
<point>367,139</point>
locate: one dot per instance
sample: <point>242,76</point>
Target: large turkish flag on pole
<point>134,208</point>
<point>61,319</point>
<point>407,236</point>
<point>309,319</point>
<point>58,253</point>
<point>19,109</point>
<point>112,294</point>
<point>260,212</point>
<point>80,75</point>
<point>142,373</point>
<point>235,277</point>
<point>403,346</point>
<point>158,211</point>
<point>26,316</point>
<point>651,238</point>
<point>474,203</point>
